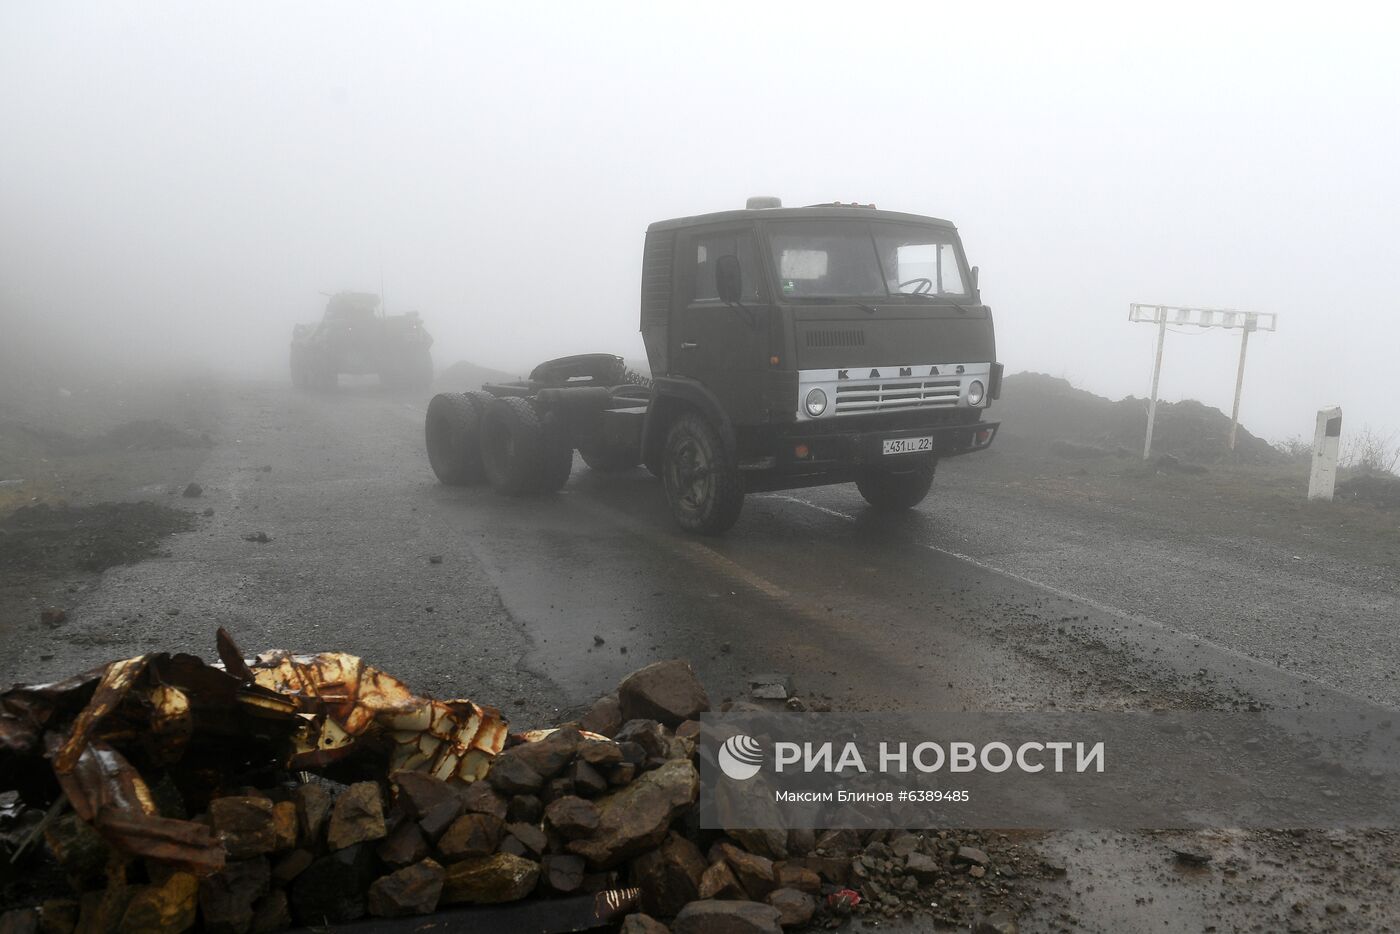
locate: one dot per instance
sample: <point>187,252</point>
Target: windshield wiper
<point>940,299</point>
<point>835,300</point>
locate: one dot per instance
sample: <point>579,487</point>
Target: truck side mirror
<point>729,279</point>
<point>974,281</point>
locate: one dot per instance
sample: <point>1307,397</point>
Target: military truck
<point>789,347</point>
<point>355,336</point>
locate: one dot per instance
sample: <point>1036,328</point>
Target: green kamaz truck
<point>788,347</point>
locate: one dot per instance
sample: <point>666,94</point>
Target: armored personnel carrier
<point>355,336</point>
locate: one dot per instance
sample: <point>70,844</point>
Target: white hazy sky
<point>183,179</point>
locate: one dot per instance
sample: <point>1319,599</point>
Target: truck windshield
<point>860,259</point>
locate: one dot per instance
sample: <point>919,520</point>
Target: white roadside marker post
<point>1327,443</point>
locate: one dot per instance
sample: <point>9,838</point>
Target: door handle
<point>688,345</point>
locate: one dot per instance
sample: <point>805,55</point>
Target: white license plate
<point>907,445</point>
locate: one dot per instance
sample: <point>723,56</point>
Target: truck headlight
<point>816,402</point>
<point>976,392</point>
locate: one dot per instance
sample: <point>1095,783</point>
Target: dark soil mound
<point>1045,409</point>
<point>152,435</point>
<point>89,538</point>
<point>141,435</point>
<point>1372,489</point>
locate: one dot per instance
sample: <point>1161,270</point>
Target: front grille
<point>836,337</point>
<point>875,396</point>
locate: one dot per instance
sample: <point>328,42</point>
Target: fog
<point>179,183</point>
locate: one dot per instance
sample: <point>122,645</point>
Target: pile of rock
<point>600,805</point>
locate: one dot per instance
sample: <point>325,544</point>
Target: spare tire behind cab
<point>452,430</point>
<point>521,452</point>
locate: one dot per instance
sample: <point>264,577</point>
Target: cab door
<point>722,345</point>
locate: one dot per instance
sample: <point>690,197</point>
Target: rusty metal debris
<point>217,723</point>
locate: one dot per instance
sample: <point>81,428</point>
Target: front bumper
<point>807,456</point>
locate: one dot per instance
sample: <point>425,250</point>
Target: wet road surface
<point>967,603</point>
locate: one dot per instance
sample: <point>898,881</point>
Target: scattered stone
<point>292,865</point>
<point>977,872</point>
<point>413,890</point>
<point>313,801</point>
<point>524,809</point>
<point>770,686</point>
<point>755,873</point>
<point>19,921</point>
<point>637,817</point>
<point>193,491</point>
<point>668,692</point>
<point>604,717</point>
<point>531,837</point>
<point>1192,857</point>
<point>58,916</point>
<point>53,616</point>
<point>572,817</point>
<point>719,881</point>
<point>586,780</point>
<point>562,873</point>
<point>970,854</point>
<point>512,776</point>
<point>245,825</point>
<point>669,876</point>
<point>649,736</point>
<point>598,640</point>
<point>332,889</point>
<point>999,922</point>
<point>262,538</point>
<point>435,559</point>
<point>546,757</point>
<point>168,907</point>
<point>481,798</point>
<point>271,913</point>
<point>795,908</point>
<point>801,878</point>
<point>404,846</point>
<point>285,825</point>
<point>226,897</point>
<point>357,816</point>
<point>471,835</point>
<point>490,879</point>
<point>642,924</point>
<point>599,754</point>
<point>922,867</point>
<point>717,917</point>
<point>771,843</point>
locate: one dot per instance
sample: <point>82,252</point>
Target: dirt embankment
<point>1047,410</point>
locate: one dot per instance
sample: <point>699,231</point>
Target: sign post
<point>1162,315</point>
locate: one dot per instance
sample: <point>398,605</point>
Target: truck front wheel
<point>701,477</point>
<point>889,489</point>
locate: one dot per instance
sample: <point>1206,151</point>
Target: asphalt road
<point>982,599</point>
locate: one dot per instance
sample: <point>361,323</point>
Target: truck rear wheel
<point>519,451</point>
<point>701,477</point>
<point>453,433</point>
<point>889,489</point>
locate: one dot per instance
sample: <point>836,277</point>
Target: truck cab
<point>824,344</point>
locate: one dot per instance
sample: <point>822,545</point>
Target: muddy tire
<point>519,454</point>
<point>557,460</point>
<point>452,430</point>
<point>608,460</point>
<point>891,490</point>
<point>702,480</point>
